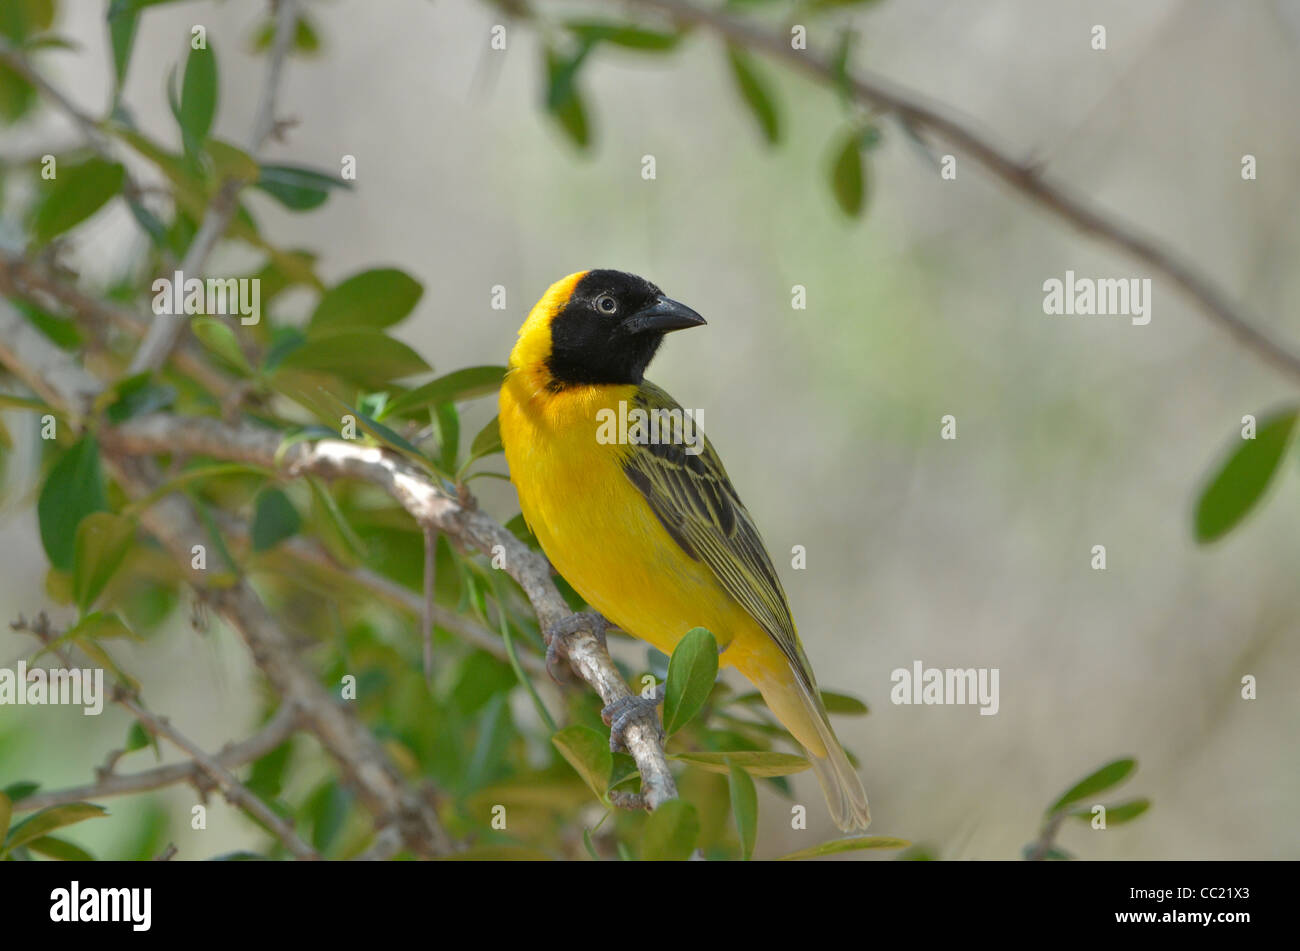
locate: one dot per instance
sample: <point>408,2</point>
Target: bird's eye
<point>606,304</point>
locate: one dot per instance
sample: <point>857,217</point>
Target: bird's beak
<point>662,316</point>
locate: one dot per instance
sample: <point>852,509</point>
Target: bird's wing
<point>694,500</point>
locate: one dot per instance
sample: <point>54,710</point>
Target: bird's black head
<point>609,328</point>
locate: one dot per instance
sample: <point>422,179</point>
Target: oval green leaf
<point>466,384</point>
<point>41,823</point>
<point>1243,477</point>
<point>274,519</point>
<point>744,808</point>
<point>365,357</point>
<point>670,832</point>
<point>296,187</point>
<point>1112,774</point>
<point>842,704</point>
<point>373,299</point>
<point>103,539</point>
<point>755,92</point>
<point>73,195</point>
<point>691,672</point>
<point>73,489</point>
<point>198,105</point>
<point>215,334</point>
<point>848,180</point>
<point>60,849</point>
<point>588,753</point>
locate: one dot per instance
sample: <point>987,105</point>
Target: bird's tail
<point>801,710</point>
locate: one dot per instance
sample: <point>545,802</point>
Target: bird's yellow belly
<point>602,536</point>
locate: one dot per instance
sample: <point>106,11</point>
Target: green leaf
<point>102,541</point>
<point>217,336</point>
<point>755,762</point>
<point>60,849</point>
<point>563,100</point>
<point>296,187</point>
<point>122,22</point>
<point>848,181</point>
<point>466,384</point>
<point>6,813</point>
<point>754,90</point>
<point>365,357</point>
<point>448,434</point>
<point>588,753</point>
<point>73,489</point>
<point>274,519</point>
<point>38,824</point>
<point>17,95</point>
<point>1243,476</point>
<point>744,807</point>
<point>1117,814</point>
<point>485,443</point>
<point>373,299</point>
<point>691,672</point>
<point>99,626</point>
<point>670,832</point>
<point>339,529</point>
<point>305,39</point>
<point>198,104</point>
<point>1112,774</point>
<point>836,846</point>
<point>138,396</point>
<point>843,705</point>
<point>620,34</point>
<point>73,195</point>
<point>17,791</point>
<point>137,737</point>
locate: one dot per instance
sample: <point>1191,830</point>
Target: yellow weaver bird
<point>652,535</point>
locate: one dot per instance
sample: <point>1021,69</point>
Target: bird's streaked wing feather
<point>698,507</point>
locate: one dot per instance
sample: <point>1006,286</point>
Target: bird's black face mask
<point>609,329</point>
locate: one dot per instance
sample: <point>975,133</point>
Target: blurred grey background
<point>1072,432</point>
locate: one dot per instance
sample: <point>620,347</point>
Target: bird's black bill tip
<point>662,316</point>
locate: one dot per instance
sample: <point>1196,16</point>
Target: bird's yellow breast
<point>596,528</point>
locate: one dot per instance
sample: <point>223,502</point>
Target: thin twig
<point>1046,837</point>
<point>286,25</point>
<point>365,765</point>
<point>166,331</point>
<point>34,282</point>
<point>1024,177</point>
<point>235,792</point>
<point>89,127</point>
<point>278,729</point>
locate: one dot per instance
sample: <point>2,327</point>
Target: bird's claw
<point>630,710</point>
<point>562,631</point>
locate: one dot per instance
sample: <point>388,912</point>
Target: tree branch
<point>431,508</point>
<point>278,729</point>
<point>35,283</point>
<point>235,792</point>
<point>1022,176</point>
<point>362,759</point>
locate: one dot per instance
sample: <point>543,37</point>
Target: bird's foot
<point>622,714</point>
<point>564,630</point>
